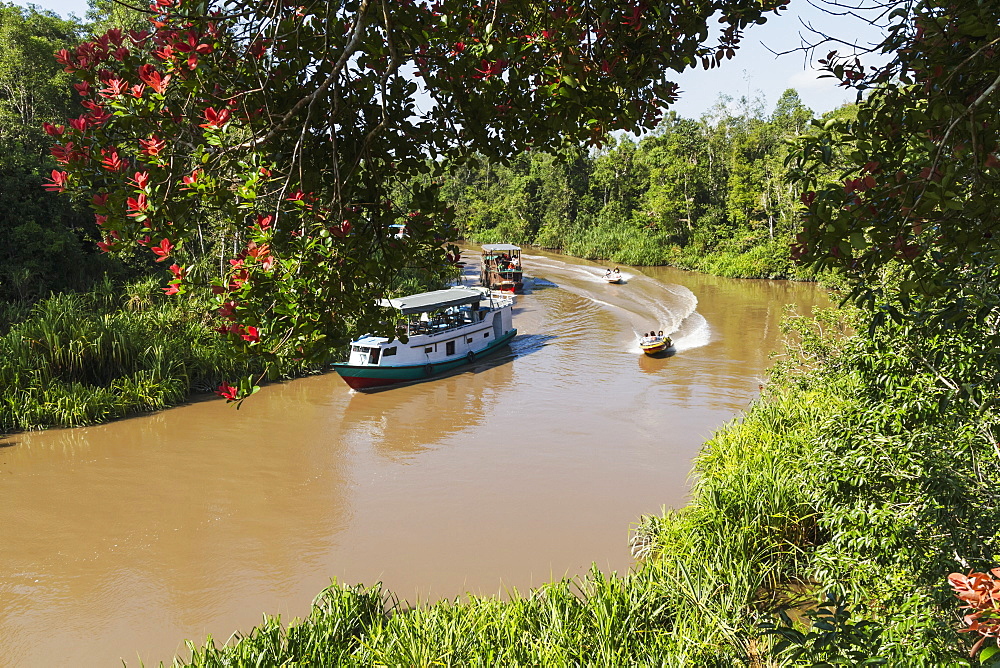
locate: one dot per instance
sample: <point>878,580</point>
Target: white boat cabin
<point>441,326</point>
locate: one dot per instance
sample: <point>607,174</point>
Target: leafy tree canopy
<point>911,216</point>
<point>293,121</point>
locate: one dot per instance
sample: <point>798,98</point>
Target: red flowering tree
<point>294,123</point>
<point>980,594</point>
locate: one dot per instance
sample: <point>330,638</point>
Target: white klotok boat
<point>445,329</point>
<point>613,276</point>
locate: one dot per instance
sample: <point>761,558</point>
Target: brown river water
<point>119,541</point>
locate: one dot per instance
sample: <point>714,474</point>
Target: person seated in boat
<point>617,273</point>
<point>607,273</point>
<point>660,333</point>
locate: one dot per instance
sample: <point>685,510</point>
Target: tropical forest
<point>204,204</point>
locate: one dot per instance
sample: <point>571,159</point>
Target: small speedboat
<point>613,276</point>
<point>654,343</point>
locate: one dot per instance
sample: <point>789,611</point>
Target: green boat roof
<point>432,301</point>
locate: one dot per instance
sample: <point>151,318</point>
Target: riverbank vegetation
<point>856,483</point>
<point>710,194</point>
<point>86,336</point>
<point>84,358</point>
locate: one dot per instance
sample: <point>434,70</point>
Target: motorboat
<point>501,268</point>
<point>444,329</point>
<point>613,276</point>
<point>654,343</point>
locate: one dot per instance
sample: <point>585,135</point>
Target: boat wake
<point>643,303</point>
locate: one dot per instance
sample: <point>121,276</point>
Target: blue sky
<point>754,71</point>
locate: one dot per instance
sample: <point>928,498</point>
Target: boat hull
<point>362,377</point>
<point>656,348</point>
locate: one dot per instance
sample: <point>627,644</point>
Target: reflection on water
<point>121,540</point>
<point>406,420</point>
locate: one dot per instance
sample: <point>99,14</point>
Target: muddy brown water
<point>119,541</point>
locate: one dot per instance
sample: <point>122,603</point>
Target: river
<point>119,541</point>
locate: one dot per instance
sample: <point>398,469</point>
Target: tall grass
<point>80,359</point>
<point>594,620</point>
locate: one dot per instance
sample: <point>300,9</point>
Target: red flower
<point>163,250</point>
<point>141,180</point>
<point>58,182</point>
<point>100,220</point>
<point>228,392</point>
<point>79,124</point>
<point>107,245</point>
<point>227,308</point>
<point>192,45</point>
<point>165,53</point>
<point>111,161</point>
<point>258,48</point>
<point>62,154</point>
<point>190,180</point>
<point>98,116</point>
<point>137,90</point>
<point>216,119</point>
<point>62,57</point>
<point>259,253</point>
<point>264,222</point>
<point>487,69</point>
<point>137,205</point>
<point>100,199</point>
<point>151,146</point>
<point>171,289</point>
<point>83,88</point>
<point>53,130</point>
<point>177,271</point>
<point>251,334</point>
<point>114,88</point>
<point>153,79</point>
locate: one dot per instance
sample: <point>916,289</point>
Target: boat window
<point>374,356</point>
<point>449,348</point>
<point>469,340</point>
<point>428,350</point>
<point>389,351</point>
<point>486,335</point>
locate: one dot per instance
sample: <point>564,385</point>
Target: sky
<point>754,72</point>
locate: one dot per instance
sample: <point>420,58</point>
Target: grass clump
<point>83,358</point>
